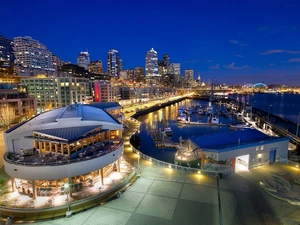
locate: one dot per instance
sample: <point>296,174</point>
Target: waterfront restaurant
<point>78,145</point>
<point>242,149</point>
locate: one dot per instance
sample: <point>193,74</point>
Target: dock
<point>203,124</point>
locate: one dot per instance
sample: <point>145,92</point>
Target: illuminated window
<point>257,148</point>
<point>262,147</point>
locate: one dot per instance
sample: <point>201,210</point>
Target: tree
<point>7,115</point>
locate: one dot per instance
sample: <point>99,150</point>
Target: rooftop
<point>232,140</point>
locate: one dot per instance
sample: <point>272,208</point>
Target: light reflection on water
<point>166,117</point>
<point>283,105</point>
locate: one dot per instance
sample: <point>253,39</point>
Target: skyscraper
<point>151,64</point>
<point>32,54</point>
<point>188,77</point>
<point>113,63</point>
<point>176,68</point>
<point>166,60</point>
<point>83,60</point>
<point>96,67</point>
<point>6,51</point>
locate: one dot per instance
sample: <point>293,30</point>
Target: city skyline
<point>236,43</point>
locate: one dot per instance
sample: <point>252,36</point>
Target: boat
<point>239,116</point>
<point>168,131</point>
<point>215,119</point>
<point>181,109</point>
<point>239,125</point>
<point>189,111</point>
<point>209,110</point>
<point>200,111</point>
<point>181,118</point>
<point>225,113</point>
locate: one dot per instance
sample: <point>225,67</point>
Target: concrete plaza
<point>168,197</point>
<point>181,199</point>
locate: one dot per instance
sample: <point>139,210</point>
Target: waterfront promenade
<point>165,196</point>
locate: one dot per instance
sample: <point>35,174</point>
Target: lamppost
<point>298,124</point>
<point>67,189</point>
<point>269,113</point>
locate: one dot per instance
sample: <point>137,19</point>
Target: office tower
<point>166,60</point>
<point>140,74</point>
<point>83,60</point>
<point>113,63</point>
<point>96,67</point>
<point>131,75</point>
<point>176,68</point>
<point>56,62</point>
<point>151,64</point>
<point>31,54</point>
<point>106,92</point>
<point>55,92</point>
<point>120,64</point>
<point>6,51</point>
<point>189,76</point>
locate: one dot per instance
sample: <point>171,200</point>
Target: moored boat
<point>168,131</point>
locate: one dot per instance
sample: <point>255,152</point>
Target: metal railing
<point>113,148</point>
<point>219,169</point>
<point>288,162</point>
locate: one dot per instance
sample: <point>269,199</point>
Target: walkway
<point>167,197</point>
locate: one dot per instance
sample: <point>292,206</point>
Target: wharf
<point>204,124</point>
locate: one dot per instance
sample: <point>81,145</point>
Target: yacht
<point>181,109</point>
<point>200,111</point>
<point>181,118</point>
<point>189,111</point>
<point>215,119</point>
<point>239,125</point>
<point>168,131</point>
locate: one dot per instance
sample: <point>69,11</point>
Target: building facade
<point>78,145</point>
<point>151,64</point>
<point>51,93</point>
<point>31,55</point>
<point>113,63</point>
<point>104,91</point>
<point>7,56</point>
<point>96,67</point>
<point>83,60</point>
<point>188,77</point>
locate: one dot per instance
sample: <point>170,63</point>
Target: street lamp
<point>298,124</point>
<point>138,162</point>
<point>67,189</point>
<point>269,113</point>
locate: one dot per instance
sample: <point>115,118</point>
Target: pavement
<point>168,197</point>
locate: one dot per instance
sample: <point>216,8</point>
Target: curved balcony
<point>56,166</point>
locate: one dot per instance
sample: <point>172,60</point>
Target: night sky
<point>233,41</point>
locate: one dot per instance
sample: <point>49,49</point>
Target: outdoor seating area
<point>51,158</point>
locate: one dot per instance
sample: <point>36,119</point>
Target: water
<point>166,117</point>
<point>283,105</point>
<point>286,106</point>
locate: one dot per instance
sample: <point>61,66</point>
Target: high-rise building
<point>30,53</point>
<point>6,51</point>
<point>57,92</point>
<point>83,60</point>
<point>56,62</point>
<point>96,67</point>
<point>176,68</point>
<point>121,64</point>
<point>151,64</point>
<point>104,91</point>
<point>113,63</point>
<point>189,76</point>
<point>166,60</point>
